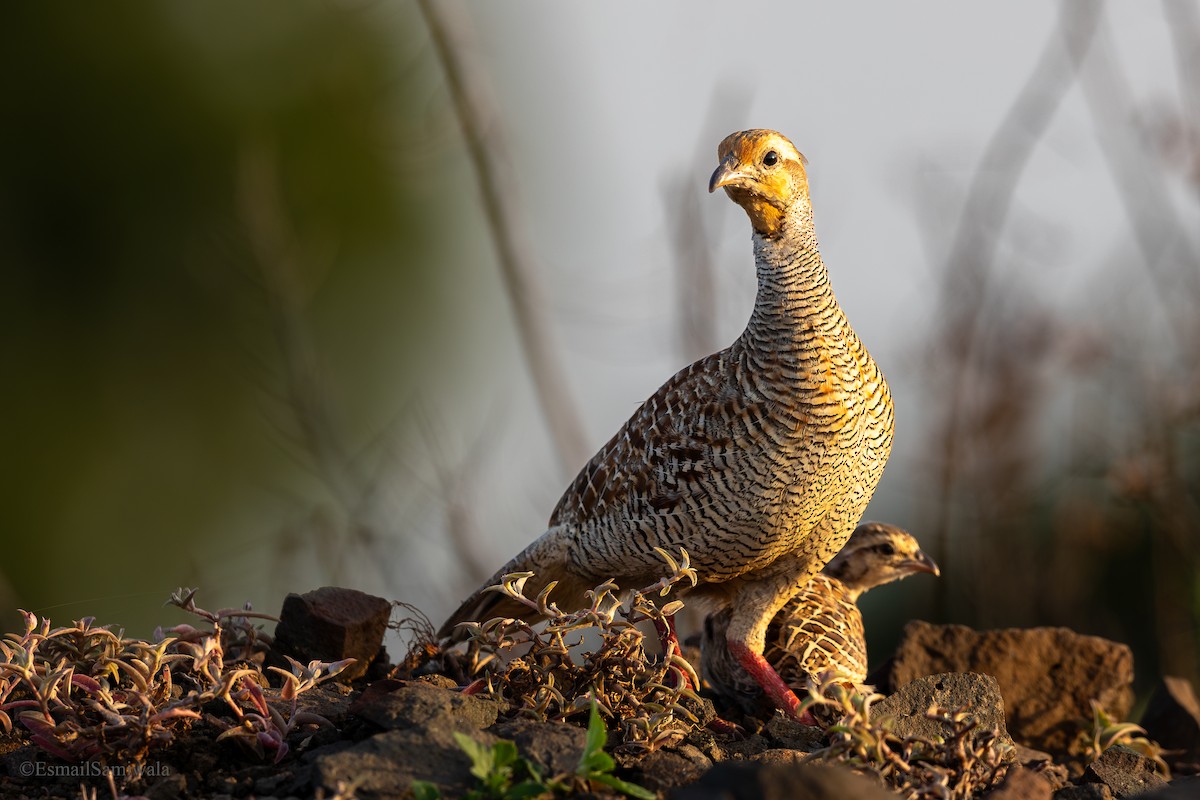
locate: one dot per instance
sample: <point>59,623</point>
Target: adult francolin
<point>757,460</point>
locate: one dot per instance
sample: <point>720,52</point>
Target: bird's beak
<point>921,562</point>
<point>725,174</point>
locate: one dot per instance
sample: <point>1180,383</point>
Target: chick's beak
<point>725,174</point>
<point>921,562</point>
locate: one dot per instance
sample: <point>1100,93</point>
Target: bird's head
<point>877,553</point>
<point>763,173</point>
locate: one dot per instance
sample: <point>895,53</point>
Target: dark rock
<point>554,746</point>
<point>1047,676</point>
<point>743,748</point>
<point>330,624</point>
<point>739,780</point>
<point>1021,784</point>
<point>167,787</point>
<point>979,695</point>
<point>664,770</point>
<point>793,735</point>
<point>1124,771</point>
<point>1179,789</point>
<point>1172,718</point>
<point>779,755</point>
<point>416,704</point>
<point>385,765</point>
<point>1086,791</point>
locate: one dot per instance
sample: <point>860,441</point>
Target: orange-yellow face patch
<point>765,186</point>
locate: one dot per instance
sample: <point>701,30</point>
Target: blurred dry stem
<point>449,30</point>
<point>1103,515</point>
<point>981,407</point>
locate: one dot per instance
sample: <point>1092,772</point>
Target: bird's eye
<point>771,158</point>
<point>887,549</point>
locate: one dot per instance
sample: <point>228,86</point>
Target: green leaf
<point>596,762</point>
<point>504,753</point>
<point>597,734</point>
<point>424,790</point>
<point>624,787</point>
<point>527,789</point>
<point>483,760</point>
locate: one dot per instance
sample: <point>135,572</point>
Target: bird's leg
<point>753,607</point>
<point>765,676</point>
<point>665,627</point>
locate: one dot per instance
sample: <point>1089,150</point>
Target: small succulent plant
<point>552,678</point>
<point>85,692</point>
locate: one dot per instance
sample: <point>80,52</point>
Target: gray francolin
<point>757,460</point>
<point>821,628</point>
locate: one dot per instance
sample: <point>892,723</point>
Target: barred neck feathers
<point>793,284</point>
<point>765,174</point>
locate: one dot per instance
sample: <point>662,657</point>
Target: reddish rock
<point>331,624</point>
<point>1047,676</point>
<point>1172,718</point>
<point>1125,772</point>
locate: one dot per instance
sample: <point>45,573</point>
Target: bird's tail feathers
<point>547,559</point>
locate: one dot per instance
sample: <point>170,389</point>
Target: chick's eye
<point>887,549</point>
<point>771,158</point>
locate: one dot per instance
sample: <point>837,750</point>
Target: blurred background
<point>346,292</point>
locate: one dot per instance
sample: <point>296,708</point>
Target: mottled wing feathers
<point>689,438</point>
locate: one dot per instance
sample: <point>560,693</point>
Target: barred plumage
<point>821,628</point>
<point>758,460</point>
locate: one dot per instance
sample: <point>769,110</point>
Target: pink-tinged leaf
<point>254,692</point>
<point>277,719</point>
<point>18,704</point>
<point>36,723</point>
<point>272,741</point>
<point>87,683</point>
<point>175,713</point>
<point>52,747</point>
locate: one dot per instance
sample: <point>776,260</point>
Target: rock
<point>793,735</point>
<point>1087,791</point>
<point>330,624</point>
<point>554,746</point>
<point>170,786</point>
<point>385,765</point>
<point>663,770</point>
<point>739,780</point>
<point>1179,789</point>
<point>1124,771</point>
<point>1043,764</point>
<point>416,704</point>
<point>779,755</point>
<point>1172,718</point>
<point>1021,784</point>
<point>1047,676</point>
<point>979,695</point>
